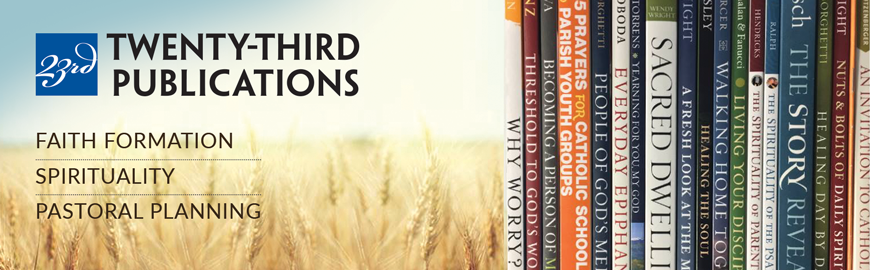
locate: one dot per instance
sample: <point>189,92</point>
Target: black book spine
<point>601,124</point>
<point>638,129</point>
<point>550,142</point>
<point>705,135</point>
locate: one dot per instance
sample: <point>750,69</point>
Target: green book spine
<point>739,88</point>
<point>823,136</point>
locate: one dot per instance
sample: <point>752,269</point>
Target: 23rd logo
<point>66,64</point>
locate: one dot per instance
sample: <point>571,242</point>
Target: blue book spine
<point>638,126</point>
<point>601,124</point>
<point>721,133</point>
<point>796,133</point>
<point>686,172</point>
<point>769,136</point>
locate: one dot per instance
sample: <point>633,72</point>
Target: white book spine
<point>620,131</point>
<point>861,180</point>
<point>755,157</point>
<point>514,222</point>
<point>771,103</point>
<point>661,136</point>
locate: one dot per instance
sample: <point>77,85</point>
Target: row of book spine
<point>687,134</point>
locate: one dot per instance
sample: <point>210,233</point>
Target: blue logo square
<point>66,64</point>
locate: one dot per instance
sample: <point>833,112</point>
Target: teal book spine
<point>796,134</point>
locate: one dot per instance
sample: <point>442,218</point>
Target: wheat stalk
<point>50,241</point>
<point>332,177</point>
<point>73,247</point>
<point>290,242</point>
<point>238,229</point>
<point>423,197</point>
<point>387,171</point>
<point>211,170</point>
<point>12,219</point>
<point>258,230</point>
<point>48,230</point>
<point>159,189</point>
<point>470,246</point>
<point>303,220</point>
<point>6,261</point>
<point>493,225</point>
<point>12,212</point>
<point>433,228</point>
<point>425,193</point>
<point>257,235</point>
<point>111,240</point>
<point>111,233</point>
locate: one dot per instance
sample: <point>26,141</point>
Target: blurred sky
<point>438,61</point>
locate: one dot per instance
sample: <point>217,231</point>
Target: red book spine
<point>531,112</point>
<point>840,136</point>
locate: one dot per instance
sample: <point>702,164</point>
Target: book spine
<point>840,151</point>
<point>638,123</point>
<point>822,174</point>
<point>514,202</point>
<point>739,73</point>
<point>861,165</point>
<point>550,141</point>
<point>721,135</point>
<point>661,134</point>
<point>532,106</point>
<point>796,133</point>
<point>687,130</point>
<point>705,134</point>
<point>574,134</point>
<point>601,132</point>
<point>755,116</point>
<point>620,87</point>
<point>771,114</point>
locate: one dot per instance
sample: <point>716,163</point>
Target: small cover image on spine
<point>840,114</point>
<point>620,130</point>
<point>601,134</point>
<point>637,56</point>
<point>861,196</point>
<point>686,170</point>
<point>549,136</point>
<point>771,114</point>
<point>796,133</point>
<point>531,109</point>
<point>721,136</point>
<point>739,73</point>
<point>514,205</point>
<point>661,134</point>
<point>822,174</point>
<point>705,135</point>
<point>574,133</point>
<point>755,117</point>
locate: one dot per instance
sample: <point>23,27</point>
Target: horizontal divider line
<point>146,194</point>
<point>148,159</point>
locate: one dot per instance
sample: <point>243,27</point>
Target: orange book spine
<point>575,218</point>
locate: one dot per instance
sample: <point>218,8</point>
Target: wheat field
<point>363,203</point>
